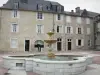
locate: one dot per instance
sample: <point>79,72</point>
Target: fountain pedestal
<point>50,41</point>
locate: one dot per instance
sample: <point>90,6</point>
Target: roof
<point>30,5</point>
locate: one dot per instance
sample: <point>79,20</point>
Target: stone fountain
<point>51,64</point>
<point>50,41</point>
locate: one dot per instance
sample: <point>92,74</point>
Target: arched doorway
<point>39,44</point>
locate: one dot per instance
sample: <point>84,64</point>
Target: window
<point>58,17</point>
<point>79,42</point>
<point>15,13</point>
<point>79,31</point>
<point>87,21</point>
<point>14,28</point>
<point>68,19</point>
<point>98,27</point>
<point>89,42</point>
<point>39,15</point>
<point>39,7</point>
<point>24,1</point>
<point>19,64</point>
<point>59,8</point>
<point>68,29</point>
<point>79,20</point>
<point>88,31</point>
<point>39,28</point>
<point>16,5</point>
<point>59,29</point>
<point>14,43</point>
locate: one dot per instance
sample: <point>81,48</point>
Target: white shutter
<point>87,21</point>
<point>62,29</point>
<point>65,29</point>
<point>62,17</point>
<point>55,28</point>
<point>82,42</point>
<point>76,30</point>
<point>88,31</point>
<point>11,27</point>
<point>79,20</point>
<point>76,42</point>
<point>18,14</point>
<point>17,28</point>
<point>68,19</point>
<point>36,28</point>
<point>82,30</point>
<point>71,30</point>
<point>42,28</point>
<point>14,43</point>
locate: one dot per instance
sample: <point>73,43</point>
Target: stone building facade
<point>24,24</point>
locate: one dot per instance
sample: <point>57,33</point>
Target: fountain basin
<point>46,66</point>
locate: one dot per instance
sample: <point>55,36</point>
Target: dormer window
<point>48,8</point>
<point>58,8</point>
<point>39,7</point>
<point>24,1</point>
<point>16,5</point>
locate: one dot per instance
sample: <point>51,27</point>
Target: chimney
<point>77,9</point>
<point>72,11</point>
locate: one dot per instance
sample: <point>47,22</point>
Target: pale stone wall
<point>27,30</point>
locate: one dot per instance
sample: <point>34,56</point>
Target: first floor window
<point>79,42</point>
<point>14,27</point>
<point>15,13</point>
<point>79,31</point>
<point>68,29</point>
<point>59,29</point>
<point>89,42</point>
<point>39,28</point>
<point>39,15</point>
<point>58,17</point>
<point>14,43</point>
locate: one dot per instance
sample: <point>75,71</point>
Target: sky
<point>90,5</point>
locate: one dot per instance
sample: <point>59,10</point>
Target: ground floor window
<point>79,42</point>
<point>39,44</point>
<point>89,42</point>
<point>14,43</point>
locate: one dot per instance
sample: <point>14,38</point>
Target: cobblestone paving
<point>93,69</point>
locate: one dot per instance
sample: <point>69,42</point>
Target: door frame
<point>29,45</point>
<point>68,46</point>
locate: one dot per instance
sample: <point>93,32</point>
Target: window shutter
<point>11,27</point>
<point>88,31</point>
<point>17,28</point>
<point>79,20</point>
<point>76,42</point>
<point>65,29</point>
<point>71,30</point>
<point>36,28</point>
<point>82,42</point>
<point>87,21</point>
<point>62,29</point>
<point>68,19</point>
<point>42,28</point>
<point>76,30</point>
<point>18,14</point>
<point>14,43</point>
<point>55,28</point>
<point>82,30</point>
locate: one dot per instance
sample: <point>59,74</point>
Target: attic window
<point>39,7</point>
<point>16,5</point>
<point>24,1</point>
